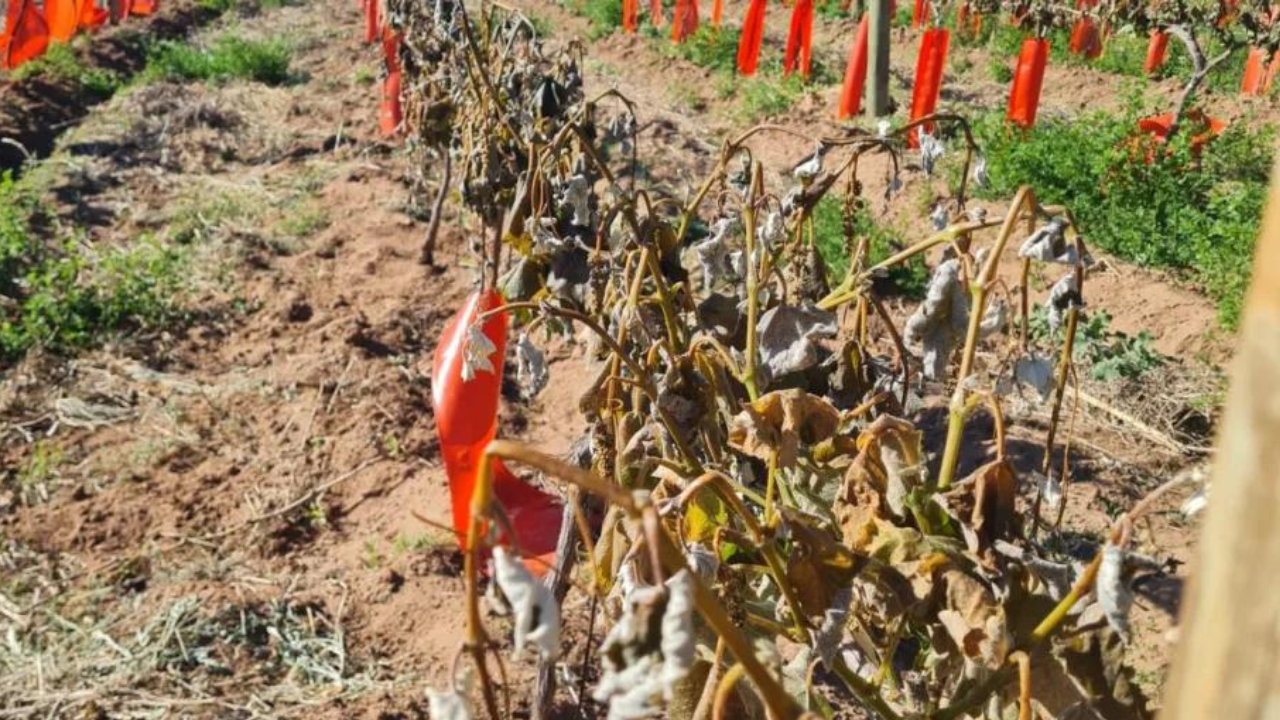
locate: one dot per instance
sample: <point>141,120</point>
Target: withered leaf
<point>818,566</point>
<point>890,459</point>
<point>779,422</point>
<point>974,620</point>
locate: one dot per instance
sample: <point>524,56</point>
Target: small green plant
<point>229,57</point>
<point>303,221</point>
<point>828,228</point>
<point>1108,354</point>
<point>64,294</point>
<point>762,96</point>
<point>604,15</point>
<point>714,48</point>
<point>62,63</point>
<point>1000,70</point>
<point>1196,212</point>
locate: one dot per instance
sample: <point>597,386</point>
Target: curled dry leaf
<point>891,461</point>
<point>980,175</point>
<point>787,337</point>
<point>818,566</point>
<point>1063,295</point>
<point>1114,594</point>
<point>985,505</point>
<point>779,422</point>
<point>476,354</point>
<point>531,367</point>
<point>941,320</point>
<point>1049,244</point>
<point>536,613</point>
<point>678,643</point>
<point>649,649</point>
<point>931,150</point>
<point>454,703</point>
<point>974,620</point>
<point>1036,373</point>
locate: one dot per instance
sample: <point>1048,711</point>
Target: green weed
<point>828,229</point>
<point>1108,354</point>
<point>761,96</point>
<point>64,294</point>
<point>229,57</point>
<point>709,47</point>
<point>604,15</point>
<point>62,63</point>
<point>1199,216</point>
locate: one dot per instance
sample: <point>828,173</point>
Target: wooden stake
<point>1225,664</point>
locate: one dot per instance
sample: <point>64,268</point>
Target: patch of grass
<point>763,95</point>
<point>1197,215</point>
<point>709,47</point>
<point>1000,70</point>
<point>1108,354</point>
<point>604,15</point>
<point>828,228</point>
<point>303,221</point>
<point>63,294</point>
<point>62,63</point>
<point>229,57</point>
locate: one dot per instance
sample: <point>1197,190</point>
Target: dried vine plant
<point>769,515</point>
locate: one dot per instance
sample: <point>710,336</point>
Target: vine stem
<point>1025,199</point>
<point>780,704</point>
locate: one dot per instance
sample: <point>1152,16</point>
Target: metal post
<point>879,17</point>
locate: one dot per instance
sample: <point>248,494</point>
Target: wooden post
<point>879,16</point>
<point>1227,663</point>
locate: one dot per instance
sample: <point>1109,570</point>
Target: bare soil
<point>276,449</point>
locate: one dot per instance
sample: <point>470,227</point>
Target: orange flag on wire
<point>60,16</point>
<point>685,21</point>
<point>1157,51</point>
<point>143,8</point>
<point>1254,72</point>
<point>800,40</point>
<point>371,22</point>
<point>717,9</point>
<point>752,35</point>
<point>630,13</point>
<point>855,75</point>
<point>930,63</point>
<point>89,14</point>
<point>1028,80</point>
<point>655,12</point>
<point>25,36</point>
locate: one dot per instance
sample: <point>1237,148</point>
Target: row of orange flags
<point>29,27</point>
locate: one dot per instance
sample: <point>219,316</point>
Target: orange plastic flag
<point>1272,70</point>
<point>371,22</point>
<point>1028,79</point>
<point>466,414</point>
<point>800,40</point>
<point>25,36</point>
<point>717,10</point>
<point>919,13</point>
<point>655,12</point>
<point>90,15</point>
<point>630,13</point>
<point>143,7</point>
<point>930,63</point>
<point>1255,75</point>
<point>389,108</point>
<point>752,35</point>
<point>855,75</point>
<point>60,15</point>
<point>1085,39</point>
<point>1157,51</point>
<point>685,21</point>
